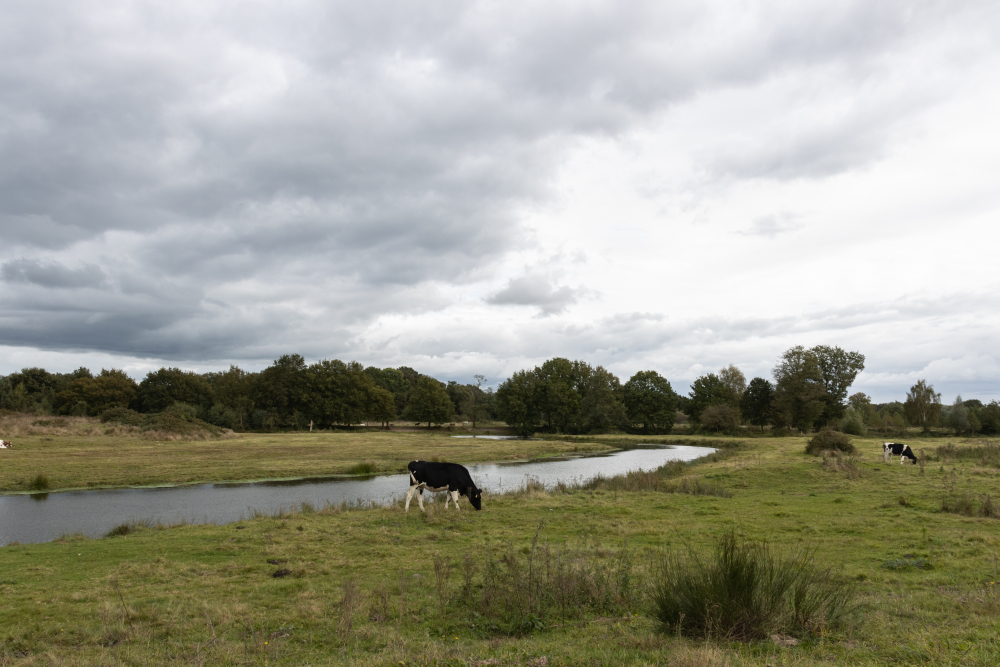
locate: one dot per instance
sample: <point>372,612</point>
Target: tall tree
<point>517,401</point>
<point>650,401</point>
<point>733,378</point>
<point>429,402</point>
<point>755,405</point>
<point>161,389</point>
<point>709,390</point>
<point>476,402</point>
<point>111,389</point>
<point>923,405</point>
<point>799,394</point>
<point>282,388</point>
<point>838,368</point>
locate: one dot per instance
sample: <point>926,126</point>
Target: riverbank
<point>378,586</point>
<point>95,462</point>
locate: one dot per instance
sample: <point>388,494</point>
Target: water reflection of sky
<point>44,517</point>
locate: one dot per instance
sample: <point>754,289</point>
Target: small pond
<point>44,517</point>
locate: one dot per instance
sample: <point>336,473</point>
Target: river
<point>45,517</point>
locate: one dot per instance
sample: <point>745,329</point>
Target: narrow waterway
<point>45,517</point>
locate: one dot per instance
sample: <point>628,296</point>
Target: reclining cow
<point>890,449</point>
<point>450,477</point>
<point>6,444</point>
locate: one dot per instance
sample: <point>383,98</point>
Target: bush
<point>717,418</point>
<point>852,422</point>
<point>123,416</point>
<point>743,592</point>
<point>830,440</point>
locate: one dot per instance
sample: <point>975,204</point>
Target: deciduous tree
<point>650,401</point>
<point>429,402</point>
<point>755,405</point>
<point>923,405</point>
<point>799,391</point>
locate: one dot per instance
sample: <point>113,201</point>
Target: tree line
<point>287,394</point>
<point>808,389</point>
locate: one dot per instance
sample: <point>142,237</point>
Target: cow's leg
<point>409,497</point>
<point>455,494</point>
<point>420,500</point>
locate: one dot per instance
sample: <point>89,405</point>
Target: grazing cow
<point>450,477</point>
<point>6,444</point>
<point>890,449</point>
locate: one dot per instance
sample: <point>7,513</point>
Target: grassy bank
<point>377,586</point>
<point>97,461</point>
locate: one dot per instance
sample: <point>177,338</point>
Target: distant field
<point>89,461</point>
<point>380,587</point>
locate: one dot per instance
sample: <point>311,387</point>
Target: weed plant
<point>743,592</point>
<point>986,454</point>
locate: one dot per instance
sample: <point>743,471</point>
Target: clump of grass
<point>743,592</point>
<point>848,465</point>
<point>697,487</point>
<point>366,468</point>
<point>829,440</point>
<point>962,504</point>
<point>39,483</point>
<point>987,509</point>
<point>653,480</point>
<point>907,563</point>
<point>522,593</point>
<point>130,527</point>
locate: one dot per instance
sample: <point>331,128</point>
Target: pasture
<point>342,585</point>
<point>96,460</point>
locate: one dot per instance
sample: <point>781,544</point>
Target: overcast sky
<point>474,187</point>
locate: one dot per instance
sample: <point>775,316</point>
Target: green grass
<point>380,587</point>
<point>104,461</point>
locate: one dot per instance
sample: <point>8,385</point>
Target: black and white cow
<point>450,477</point>
<point>890,449</point>
<point>6,444</point>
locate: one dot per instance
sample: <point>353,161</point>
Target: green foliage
<point>516,403</point>
<point>743,592</point>
<point>923,405</point>
<point>800,395</point>
<point>429,402</point>
<point>161,389</point>
<point>720,418</point>
<point>123,416</point>
<point>650,401</point>
<point>989,418</point>
<point>755,404</point>
<point>709,390</point>
<point>838,370</point>
<point>111,389</point>
<point>829,440</point>
<point>852,422</point>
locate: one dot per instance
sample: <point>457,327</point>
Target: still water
<point>45,517</point>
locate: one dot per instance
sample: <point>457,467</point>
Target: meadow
<point>355,585</point>
<point>77,452</point>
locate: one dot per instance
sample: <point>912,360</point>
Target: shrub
<point>123,416</point>
<point>852,422</point>
<point>366,468</point>
<point>717,418</point>
<point>829,440</point>
<point>743,592</point>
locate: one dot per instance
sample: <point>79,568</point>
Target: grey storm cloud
<point>232,175</point>
<point>52,274</point>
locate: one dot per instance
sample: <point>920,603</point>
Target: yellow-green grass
<point>206,595</point>
<point>71,461</point>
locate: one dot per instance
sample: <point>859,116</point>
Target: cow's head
<point>475,497</point>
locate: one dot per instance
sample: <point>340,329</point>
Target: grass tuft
<point>743,592</point>
<point>366,468</point>
<point>129,527</point>
<point>39,483</point>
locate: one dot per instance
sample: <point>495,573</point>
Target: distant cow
<point>890,449</point>
<point>6,444</point>
<point>450,477</point>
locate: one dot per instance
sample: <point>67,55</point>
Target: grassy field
<point>380,587</point>
<point>97,461</point>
